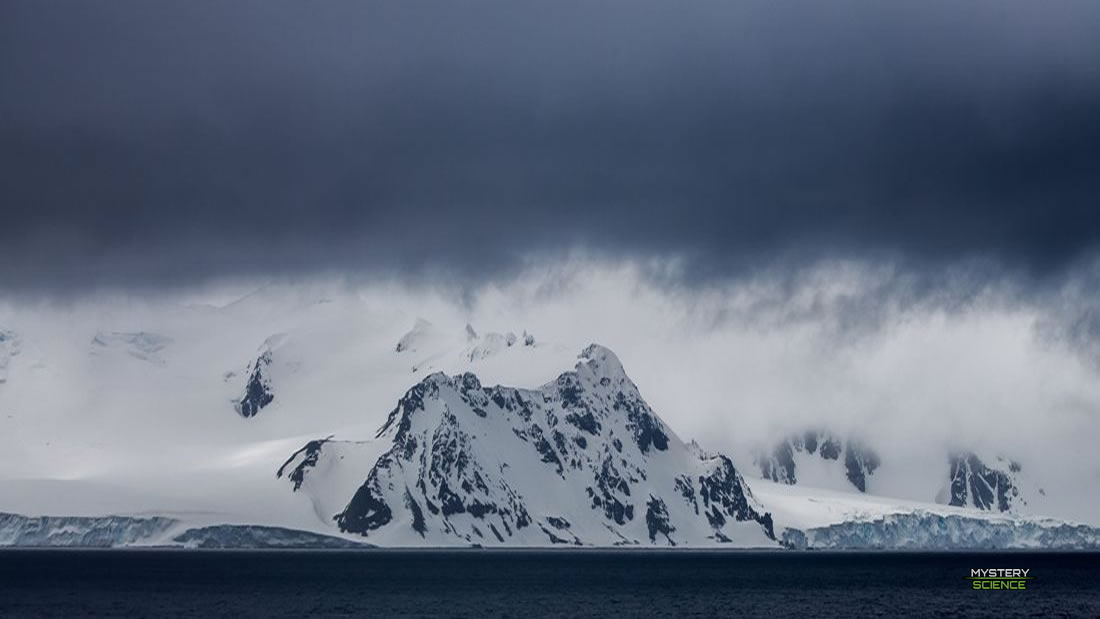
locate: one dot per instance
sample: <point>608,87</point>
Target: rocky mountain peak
<point>601,362</point>
<point>581,460</point>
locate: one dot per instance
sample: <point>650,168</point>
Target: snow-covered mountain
<point>821,459</point>
<point>264,414</point>
<point>581,460</point>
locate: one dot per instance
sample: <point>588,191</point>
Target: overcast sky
<point>157,143</point>
<point>881,217</point>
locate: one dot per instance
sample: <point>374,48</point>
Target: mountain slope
<point>581,460</point>
<point>819,458</point>
<point>996,485</point>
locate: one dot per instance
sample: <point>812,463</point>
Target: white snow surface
<point>131,412</point>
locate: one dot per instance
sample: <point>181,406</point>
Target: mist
<point>844,346</point>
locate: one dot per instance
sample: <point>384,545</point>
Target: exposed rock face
<point>582,460</point>
<point>859,463</point>
<point>259,390</point>
<point>975,484</point>
<point>9,348</point>
<point>303,460</point>
<point>780,465</point>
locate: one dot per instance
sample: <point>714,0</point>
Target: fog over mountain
<point>735,367</point>
<point>864,221</point>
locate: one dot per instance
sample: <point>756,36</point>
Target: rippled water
<point>528,584</point>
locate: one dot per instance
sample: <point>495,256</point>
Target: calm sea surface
<point>529,584</point>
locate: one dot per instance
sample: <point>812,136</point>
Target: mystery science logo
<point>1013,579</point>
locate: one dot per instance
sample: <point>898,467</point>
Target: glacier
<point>114,531</point>
<point>83,531</point>
<point>922,530</point>
<point>917,530</point>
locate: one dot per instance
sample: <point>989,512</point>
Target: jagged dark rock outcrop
<point>656,518</point>
<point>257,393</point>
<point>975,484</point>
<point>303,460</point>
<point>860,461</point>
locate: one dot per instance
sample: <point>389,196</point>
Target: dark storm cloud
<point>155,142</point>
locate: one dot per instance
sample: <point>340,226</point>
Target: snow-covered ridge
<point>434,349</point>
<point>491,344</point>
<point>141,345</point>
<point>582,460</point>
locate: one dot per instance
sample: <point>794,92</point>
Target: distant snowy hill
<point>821,459</point>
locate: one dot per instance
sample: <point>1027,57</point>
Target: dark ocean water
<point>529,584</point>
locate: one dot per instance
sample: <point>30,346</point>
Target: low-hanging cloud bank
<point>844,345</point>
